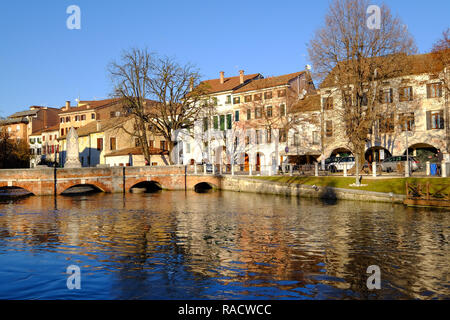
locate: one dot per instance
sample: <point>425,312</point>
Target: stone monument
<point>72,152</point>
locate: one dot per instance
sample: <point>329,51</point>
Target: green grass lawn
<point>395,185</point>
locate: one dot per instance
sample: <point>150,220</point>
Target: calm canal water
<point>222,245</point>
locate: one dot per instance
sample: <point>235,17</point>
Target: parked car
<point>390,164</point>
<point>339,165</point>
<point>331,160</point>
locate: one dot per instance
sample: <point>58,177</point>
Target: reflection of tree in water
<point>174,245</point>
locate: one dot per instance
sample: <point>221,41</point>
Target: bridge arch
<point>78,188</point>
<point>203,187</point>
<point>12,191</point>
<point>149,186</point>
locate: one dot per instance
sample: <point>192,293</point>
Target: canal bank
<point>330,192</point>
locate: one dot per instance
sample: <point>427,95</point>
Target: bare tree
<point>355,60</point>
<point>441,63</point>
<point>163,95</point>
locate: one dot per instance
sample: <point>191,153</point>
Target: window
<point>222,122</point>
<point>386,124</point>
<point>435,120</point>
<point>386,96</point>
<point>137,142</point>
<point>329,128</point>
<point>248,98</point>
<point>236,116</point>
<point>188,148</point>
<point>295,139</point>
<point>151,143</point>
<point>163,145</point>
<point>216,122</point>
<point>405,94</point>
<point>434,90</point>
<point>229,121</point>
<point>43,138</point>
<point>327,103</point>
<point>283,135</point>
<point>50,137</point>
<point>77,118</point>
<point>67,119</point>
<point>281,93</point>
<point>117,113</point>
<point>61,120</point>
<point>247,140</point>
<point>268,95</point>
<point>215,101</point>
<point>112,143</point>
<point>269,112</point>
<point>205,124</point>
<point>236,100</point>
<point>93,116</point>
<point>112,114</point>
<point>249,114</point>
<point>269,135</point>
<point>83,117</point>
<point>228,99</point>
<point>283,110</point>
<point>257,97</point>
<point>406,121</point>
<point>258,113</point>
<point>315,137</point>
<point>258,136</point>
<point>99,144</point>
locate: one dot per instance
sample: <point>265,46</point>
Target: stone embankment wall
<point>241,184</point>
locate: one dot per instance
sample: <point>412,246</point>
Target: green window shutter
<point>249,114</point>
<point>205,124</point>
<point>216,122</point>
<point>236,116</point>
<point>428,120</point>
<point>222,122</point>
<point>229,121</point>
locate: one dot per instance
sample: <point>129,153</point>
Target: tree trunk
<point>358,183</point>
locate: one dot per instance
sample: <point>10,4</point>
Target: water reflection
<point>177,245</point>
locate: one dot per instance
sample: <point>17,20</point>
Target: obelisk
<point>72,151</point>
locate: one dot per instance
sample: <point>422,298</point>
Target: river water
<point>220,245</point>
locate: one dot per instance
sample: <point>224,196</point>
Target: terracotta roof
<point>269,82</point>
<point>91,105</point>
<point>310,103</point>
<point>136,151</point>
<point>52,128</point>
<point>231,83</point>
<point>415,64</point>
<point>91,127</point>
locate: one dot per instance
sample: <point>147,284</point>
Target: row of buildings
<point>264,122</point>
<point>255,121</point>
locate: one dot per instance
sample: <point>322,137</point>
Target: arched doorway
<point>377,154</point>
<point>423,152</point>
<point>259,161</point>
<point>246,162</point>
<point>341,152</point>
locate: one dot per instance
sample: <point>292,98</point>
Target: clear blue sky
<point>44,63</point>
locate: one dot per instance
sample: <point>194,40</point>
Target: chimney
<point>222,75</point>
<point>241,76</point>
<point>67,105</point>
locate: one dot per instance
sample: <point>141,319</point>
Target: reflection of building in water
<point>255,240</point>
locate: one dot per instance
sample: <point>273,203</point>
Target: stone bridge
<point>51,181</point>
